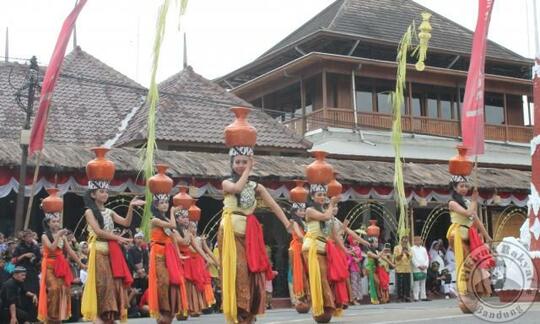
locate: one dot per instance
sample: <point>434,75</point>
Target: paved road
<point>439,311</point>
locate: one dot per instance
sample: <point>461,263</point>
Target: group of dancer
<point>179,282</point>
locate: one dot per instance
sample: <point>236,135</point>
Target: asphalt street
<point>438,311</point>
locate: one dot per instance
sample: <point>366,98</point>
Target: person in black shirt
<point>137,259</point>
<point>28,255</point>
<point>13,296</point>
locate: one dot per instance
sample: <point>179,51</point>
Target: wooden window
<point>432,107</point>
<point>364,98</point>
<point>416,104</point>
<point>494,108</point>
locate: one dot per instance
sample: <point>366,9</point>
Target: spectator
<point>4,275</point>
<point>434,279</point>
<point>9,265</point>
<point>420,262</point>
<point>402,259</point>
<point>436,253</point>
<point>28,255</point>
<point>137,259</point>
<point>13,296</point>
<point>3,244</point>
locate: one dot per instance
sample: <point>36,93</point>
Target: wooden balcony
<point>344,118</point>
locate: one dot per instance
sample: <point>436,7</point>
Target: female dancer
<point>166,286</point>
<point>299,268</point>
<point>244,262</point>
<point>105,295</point>
<point>319,229</point>
<point>56,277</point>
<point>463,236</point>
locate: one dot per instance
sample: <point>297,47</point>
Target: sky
<point>221,35</point>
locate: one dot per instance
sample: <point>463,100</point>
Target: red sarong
<point>119,266</point>
<point>172,261</point>
<point>384,277</point>
<point>338,272</point>
<point>479,251</point>
<point>194,270</point>
<point>257,259</point>
<point>63,270</point>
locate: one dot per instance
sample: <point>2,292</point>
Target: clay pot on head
<point>334,187</point>
<point>319,171</point>
<point>299,194</point>
<point>182,199</point>
<point>52,204</point>
<point>160,183</point>
<point>240,132</point>
<point>194,212</point>
<point>373,230</point>
<point>460,164</point>
<point>100,168</point>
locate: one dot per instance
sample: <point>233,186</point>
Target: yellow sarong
<point>461,280</point>
<point>89,297</point>
<point>315,284</point>
<point>229,269</point>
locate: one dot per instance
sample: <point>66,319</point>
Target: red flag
<point>49,81</point>
<point>472,116</point>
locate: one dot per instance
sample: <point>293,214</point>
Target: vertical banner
<point>472,116</point>
<point>49,81</point>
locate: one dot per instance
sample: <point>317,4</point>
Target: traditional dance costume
<point>54,291</point>
<point>105,290</point>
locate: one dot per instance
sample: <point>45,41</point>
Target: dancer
<point>105,292</point>
<point>371,269</point>
<point>56,277</point>
<point>464,238</point>
<point>383,272</point>
<point>297,264</point>
<point>166,286</point>
<point>244,261</point>
<point>319,229</point>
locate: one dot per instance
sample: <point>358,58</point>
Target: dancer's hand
<point>475,194</point>
<point>123,240</point>
<point>334,200</point>
<point>250,163</point>
<point>136,202</point>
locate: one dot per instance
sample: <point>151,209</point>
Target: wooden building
<point>330,81</point>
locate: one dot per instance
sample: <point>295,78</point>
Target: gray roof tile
<point>196,110</point>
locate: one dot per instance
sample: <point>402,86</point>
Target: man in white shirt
<point>420,262</point>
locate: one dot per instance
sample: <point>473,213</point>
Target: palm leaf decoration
<point>148,150</point>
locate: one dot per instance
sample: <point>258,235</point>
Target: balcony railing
<point>344,118</point>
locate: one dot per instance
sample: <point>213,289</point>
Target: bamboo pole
<point>30,202</point>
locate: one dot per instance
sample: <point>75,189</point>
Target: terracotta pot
<point>298,194</point>
<point>52,204</point>
<point>182,199</point>
<point>334,187</point>
<point>100,168</point>
<point>319,171</point>
<point>240,132</point>
<point>325,317</point>
<point>460,164</point>
<point>194,212</point>
<point>373,230</point>
<point>160,183</point>
<point>302,307</point>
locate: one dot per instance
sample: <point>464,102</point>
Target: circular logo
<point>509,269</point>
